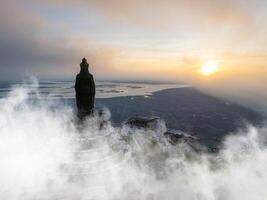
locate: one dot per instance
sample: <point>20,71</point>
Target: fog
<point>245,90</point>
<point>44,154</point>
<point>245,85</point>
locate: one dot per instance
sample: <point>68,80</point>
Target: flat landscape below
<point>185,109</point>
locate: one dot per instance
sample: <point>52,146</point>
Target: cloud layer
<point>50,157</point>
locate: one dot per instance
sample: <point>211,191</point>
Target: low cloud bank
<point>45,155</point>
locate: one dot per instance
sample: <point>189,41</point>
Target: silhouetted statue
<point>85,91</point>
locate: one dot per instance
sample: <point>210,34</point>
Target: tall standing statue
<point>85,91</point>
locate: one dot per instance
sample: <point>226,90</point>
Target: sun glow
<point>209,68</point>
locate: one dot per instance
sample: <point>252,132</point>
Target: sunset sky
<point>138,40</point>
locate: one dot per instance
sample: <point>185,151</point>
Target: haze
<point>140,40</point>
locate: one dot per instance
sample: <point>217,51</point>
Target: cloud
<point>172,13</point>
<point>50,158</point>
<point>28,46</point>
<point>35,43</point>
<point>23,43</point>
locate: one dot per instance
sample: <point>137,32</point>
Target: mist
<point>44,154</point>
<point>248,91</point>
<point>244,85</point>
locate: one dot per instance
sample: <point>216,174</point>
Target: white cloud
<point>44,156</point>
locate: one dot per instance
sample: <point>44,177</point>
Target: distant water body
<point>65,89</point>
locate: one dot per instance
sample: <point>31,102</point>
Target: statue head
<point>84,66</point>
<point>84,60</point>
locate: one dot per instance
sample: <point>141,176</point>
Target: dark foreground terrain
<point>186,109</point>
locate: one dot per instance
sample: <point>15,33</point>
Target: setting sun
<point>209,68</point>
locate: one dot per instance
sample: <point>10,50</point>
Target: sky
<point>155,40</point>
